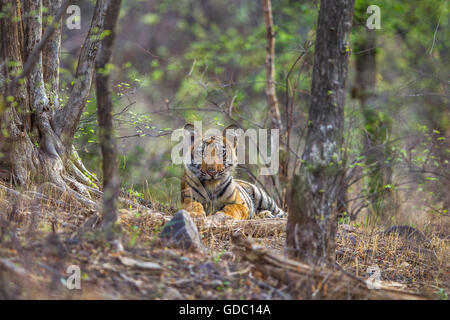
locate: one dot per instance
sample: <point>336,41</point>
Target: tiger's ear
<point>231,134</point>
<point>189,130</point>
<point>189,127</point>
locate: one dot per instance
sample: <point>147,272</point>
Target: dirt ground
<point>37,246</point>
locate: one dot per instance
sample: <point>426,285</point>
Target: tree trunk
<point>376,128</point>
<point>272,101</point>
<point>105,119</point>
<point>37,133</point>
<point>271,93</point>
<point>50,54</point>
<point>311,226</point>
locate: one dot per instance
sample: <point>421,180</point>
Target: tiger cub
<point>208,187</point>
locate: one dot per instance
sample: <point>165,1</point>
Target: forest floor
<point>38,243</point>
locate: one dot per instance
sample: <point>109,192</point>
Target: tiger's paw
<point>265,214</point>
<point>281,215</point>
<point>220,216</point>
<point>236,211</point>
<point>195,209</point>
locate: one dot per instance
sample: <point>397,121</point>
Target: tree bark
<point>19,156</point>
<point>51,52</point>
<point>66,121</point>
<point>37,134</point>
<point>311,226</point>
<point>105,119</point>
<point>271,93</point>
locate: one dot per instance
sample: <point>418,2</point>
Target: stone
<point>172,294</point>
<point>408,233</point>
<point>181,232</point>
<point>141,264</point>
<point>185,260</point>
<point>214,283</point>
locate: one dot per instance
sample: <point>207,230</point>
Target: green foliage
<point>443,295</point>
<point>344,218</point>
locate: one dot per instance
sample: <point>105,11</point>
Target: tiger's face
<point>212,157</point>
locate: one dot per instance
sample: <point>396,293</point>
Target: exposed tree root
<point>39,197</point>
<point>15,195</point>
<point>73,198</point>
<point>77,169</point>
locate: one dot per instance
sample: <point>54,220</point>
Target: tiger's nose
<point>211,172</point>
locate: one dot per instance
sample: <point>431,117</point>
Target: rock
<point>185,259</point>
<point>407,232</point>
<point>172,294</point>
<point>146,265</point>
<point>214,283</point>
<point>181,232</point>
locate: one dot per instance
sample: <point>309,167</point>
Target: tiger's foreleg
<point>194,208</point>
<point>188,202</point>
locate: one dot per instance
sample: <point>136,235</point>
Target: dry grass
<point>36,248</point>
<point>423,266</point>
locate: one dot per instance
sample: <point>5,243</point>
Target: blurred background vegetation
<point>185,60</point>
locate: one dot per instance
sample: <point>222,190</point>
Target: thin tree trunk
<point>311,226</point>
<point>376,128</point>
<point>272,100</point>
<point>19,157</point>
<point>105,119</point>
<point>50,54</point>
<point>271,94</point>
<point>67,119</point>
